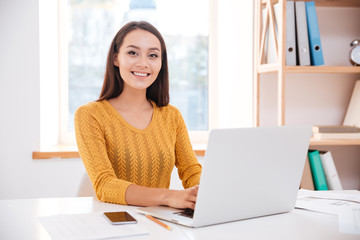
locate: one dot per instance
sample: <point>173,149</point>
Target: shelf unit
<point>282,72</point>
<point>279,66</point>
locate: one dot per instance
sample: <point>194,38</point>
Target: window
<point>90,26</point>
<point>218,90</point>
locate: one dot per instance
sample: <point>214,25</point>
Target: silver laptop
<point>247,173</point>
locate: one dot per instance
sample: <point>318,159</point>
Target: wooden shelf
<point>337,142</point>
<point>329,3</point>
<point>337,3</point>
<point>55,154</point>
<point>268,68</point>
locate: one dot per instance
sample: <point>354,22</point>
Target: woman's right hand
<point>182,198</point>
<point>145,196</point>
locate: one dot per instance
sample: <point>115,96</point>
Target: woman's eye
<point>153,55</point>
<point>132,53</point>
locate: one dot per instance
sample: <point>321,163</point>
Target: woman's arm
<point>189,168</point>
<point>92,148</point>
<point>145,196</point>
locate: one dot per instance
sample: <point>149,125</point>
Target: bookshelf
<point>279,66</point>
<point>284,74</point>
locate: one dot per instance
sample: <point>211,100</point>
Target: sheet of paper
<point>330,206</point>
<point>349,220</point>
<point>327,201</point>
<point>348,195</point>
<point>89,226</point>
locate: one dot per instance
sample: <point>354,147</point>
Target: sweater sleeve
<point>90,139</point>
<point>189,169</point>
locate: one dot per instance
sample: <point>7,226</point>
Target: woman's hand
<point>182,198</point>
<point>144,196</point>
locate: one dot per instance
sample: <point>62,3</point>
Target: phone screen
<point>119,217</point>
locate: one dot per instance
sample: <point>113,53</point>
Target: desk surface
<point>18,221</point>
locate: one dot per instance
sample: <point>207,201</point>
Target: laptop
<point>247,173</point>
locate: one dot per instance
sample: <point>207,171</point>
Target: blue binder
<point>316,53</point>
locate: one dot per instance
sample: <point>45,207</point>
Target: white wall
<point>234,63</point>
<point>20,175</point>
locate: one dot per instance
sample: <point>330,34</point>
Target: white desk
<point>18,221</point>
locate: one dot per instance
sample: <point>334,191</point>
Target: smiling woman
<point>87,25</point>
<point>130,139</point>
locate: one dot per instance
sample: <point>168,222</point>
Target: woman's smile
<point>140,74</point>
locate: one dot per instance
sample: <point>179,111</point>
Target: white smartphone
<point>120,217</point>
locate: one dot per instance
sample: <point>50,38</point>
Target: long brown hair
<point>113,83</point>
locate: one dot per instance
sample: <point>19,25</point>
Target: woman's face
<point>139,59</point>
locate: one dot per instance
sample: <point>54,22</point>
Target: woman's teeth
<point>140,74</point>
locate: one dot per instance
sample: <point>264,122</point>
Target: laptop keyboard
<point>186,213</point>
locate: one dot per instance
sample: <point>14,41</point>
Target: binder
<point>302,34</point>
<point>290,34</point>
<point>317,170</point>
<point>316,53</point>
<point>331,175</point>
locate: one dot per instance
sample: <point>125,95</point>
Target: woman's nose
<point>143,62</point>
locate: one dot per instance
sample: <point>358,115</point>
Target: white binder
<point>290,34</point>
<point>302,34</point>
<point>331,174</point>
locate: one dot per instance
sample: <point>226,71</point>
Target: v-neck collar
<point>128,125</point>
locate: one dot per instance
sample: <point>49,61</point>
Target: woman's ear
<point>116,60</point>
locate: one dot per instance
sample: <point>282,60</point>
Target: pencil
<point>158,222</point>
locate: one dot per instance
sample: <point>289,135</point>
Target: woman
<point>131,138</point>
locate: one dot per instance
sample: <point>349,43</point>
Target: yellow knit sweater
<point>116,154</point>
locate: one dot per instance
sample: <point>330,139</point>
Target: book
<point>328,136</point>
<point>302,34</point>
<point>307,179</point>
<point>335,129</point>
<point>316,53</point>
<point>331,175</point>
<point>290,34</point>
<point>317,170</point>
<point>352,116</point>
